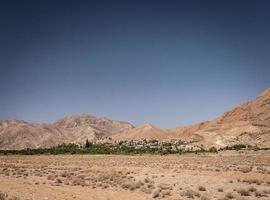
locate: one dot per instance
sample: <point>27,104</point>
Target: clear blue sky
<point>169,63</point>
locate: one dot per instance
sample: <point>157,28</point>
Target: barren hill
<point>247,123</point>
<point>147,131</point>
<point>89,127</point>
<point>103,124</point>
<point>15,134</point>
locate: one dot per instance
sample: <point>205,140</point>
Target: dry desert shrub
<point>165,193</point>
<point>64,175</point>
<point>240,198</point>
<point>105,186</point>
<point>138,184</point>
<point>229,196</point>
<point>260,194</point>
<point>252,189</point>
<point>204,198</point>
<point>14,198</point>
<point>2,196</point>
<point>243,192</point>
<point>252,181</point>
<point>190,194</point>
<point>154,176</point>
<point>165,186</point>
<point>156,193</point>
<point>78,181</point>
<point>146,190</point>
<point>129,185</point>
<point>220,189</point>
<point>5,197</point>
<point>59,181</point>
<point>151,185</point>
<point>201,188</point>
<point>51,177</point>
<point>147,180</point>
<point>261,169</point>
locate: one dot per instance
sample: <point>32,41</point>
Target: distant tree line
<point>92,148</point>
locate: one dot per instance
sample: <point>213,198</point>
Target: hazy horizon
<point>169,63</point>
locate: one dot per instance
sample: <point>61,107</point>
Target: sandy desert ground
<point>227,175</point>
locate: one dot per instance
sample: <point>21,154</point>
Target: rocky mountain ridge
<point>18,134</point>
<point>248,123</point>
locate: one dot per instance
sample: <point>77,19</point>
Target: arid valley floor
<point>226,175</point>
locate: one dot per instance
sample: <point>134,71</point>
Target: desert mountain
<point>89,127</point>
<point>248,123</point>
<point>147,131</point>
<point>103,124</point>
<point>15,134</point>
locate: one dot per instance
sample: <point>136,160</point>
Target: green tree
<point>87,144</point>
